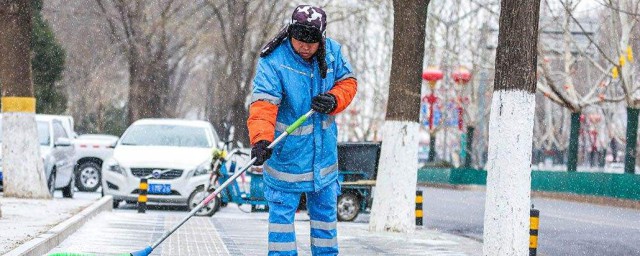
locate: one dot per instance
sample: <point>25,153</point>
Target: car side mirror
<point>63,142</point>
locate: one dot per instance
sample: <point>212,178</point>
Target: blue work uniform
<point>306,161</point>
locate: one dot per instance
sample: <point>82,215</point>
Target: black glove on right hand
<point>324,103</point>
<point>261,152</point>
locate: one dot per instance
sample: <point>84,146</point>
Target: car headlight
<point>114,166</point>
<point>202,169</point>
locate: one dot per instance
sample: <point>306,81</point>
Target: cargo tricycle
<point>357,164</point>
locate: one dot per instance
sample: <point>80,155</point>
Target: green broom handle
<point>298,122</point>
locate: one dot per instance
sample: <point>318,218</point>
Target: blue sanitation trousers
<point>322,209</point>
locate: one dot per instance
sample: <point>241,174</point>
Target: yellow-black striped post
<point>534,220</point>
<point>142,196</point>
<point>419,208</point>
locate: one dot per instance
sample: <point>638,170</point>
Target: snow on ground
<point>25,219</point>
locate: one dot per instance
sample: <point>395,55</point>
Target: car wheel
<point>208,210</point>
<point>67,191</point>
<point>348,207</point>
<point>51,183</point>
<point>88,176</point>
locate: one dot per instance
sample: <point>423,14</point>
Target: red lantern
<point>432,75</point>
<point>461,76</point>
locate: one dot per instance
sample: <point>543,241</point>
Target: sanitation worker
<point>300,70</point>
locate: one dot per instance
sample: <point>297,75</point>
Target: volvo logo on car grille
<point>156,173</point>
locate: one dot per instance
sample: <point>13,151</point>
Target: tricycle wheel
<point>348,207</point>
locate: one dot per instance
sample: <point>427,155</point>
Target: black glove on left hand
<point>324,103</point>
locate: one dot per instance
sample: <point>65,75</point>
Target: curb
<point>46,241</point>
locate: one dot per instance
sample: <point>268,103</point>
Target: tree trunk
<point>23,169</point>
<point>149,87</point>
<point>394,207</point>
<point>632,140</point>
<point>574,137</point>
<point>468,158</point>
<point>506,219</point>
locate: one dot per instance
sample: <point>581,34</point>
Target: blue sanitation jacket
<point>307,160</point>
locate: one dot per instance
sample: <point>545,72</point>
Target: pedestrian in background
<point>300,69</point>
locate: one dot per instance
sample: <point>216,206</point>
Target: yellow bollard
<point>142,196</point>
<point>419,208</point>
<point>534,219</point>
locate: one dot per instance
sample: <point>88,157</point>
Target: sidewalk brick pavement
<point>232,232</point>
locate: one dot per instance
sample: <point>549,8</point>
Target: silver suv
<point>57,153</point>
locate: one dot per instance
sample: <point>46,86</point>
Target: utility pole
<point>21,164</point>
<point>508,196</point>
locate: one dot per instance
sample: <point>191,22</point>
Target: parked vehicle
<point>67,123</point>
<point>57,153</point>
<point>91,151</point>
<point>226,161</point>
<point>176,153</point>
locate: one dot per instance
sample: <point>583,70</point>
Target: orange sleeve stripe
<point>262,121</point>
<point>344,91</point>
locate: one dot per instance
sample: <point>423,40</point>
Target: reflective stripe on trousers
<point>322,210</point>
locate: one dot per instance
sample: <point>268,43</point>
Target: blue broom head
<point>144,252</point>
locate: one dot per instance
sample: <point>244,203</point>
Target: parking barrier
<point>419,208</point>
<point>142,196</point>
<point>534,219</point>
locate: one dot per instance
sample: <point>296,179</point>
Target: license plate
<point>162,189</point>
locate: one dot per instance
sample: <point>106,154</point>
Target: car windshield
<point>43,133</point>
<point>166,135</point>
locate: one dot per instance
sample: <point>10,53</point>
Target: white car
<point>175,153</point>
<point>91,151</point>
<point>67,123</point>
<point>57,152</point>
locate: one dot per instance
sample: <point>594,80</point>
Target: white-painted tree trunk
<point>506,217</point>
<point>21,163</point>
<point>395,192</point>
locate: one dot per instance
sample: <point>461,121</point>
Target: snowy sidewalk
<point>24,219</point>
<point>232,232</point>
